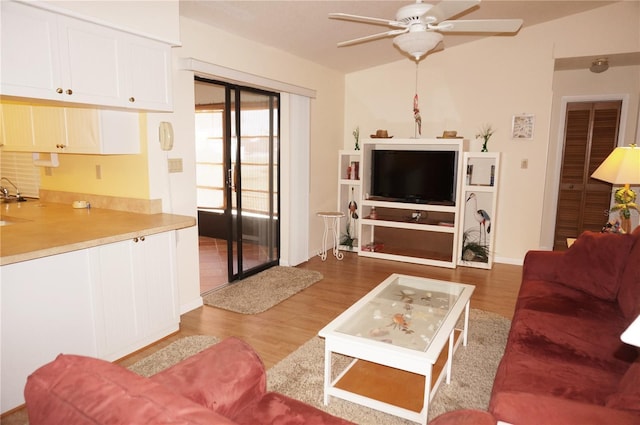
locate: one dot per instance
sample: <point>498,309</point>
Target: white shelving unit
<point>416,233</point>
<point>349,197</point>
<point>479,207</point>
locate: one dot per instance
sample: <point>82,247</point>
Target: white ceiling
<point>302,27</point>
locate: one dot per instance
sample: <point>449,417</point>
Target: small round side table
<point>331,221</point>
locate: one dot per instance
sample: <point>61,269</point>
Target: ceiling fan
<point>418,26</point>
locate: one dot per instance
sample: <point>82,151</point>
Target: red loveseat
<point>224,384</point>
<point>564,362</point>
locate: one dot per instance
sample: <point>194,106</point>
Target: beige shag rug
<point>262,291</point>
<point>300,375</point>
<point>172,354</point>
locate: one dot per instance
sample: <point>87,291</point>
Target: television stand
<point>422,233</point>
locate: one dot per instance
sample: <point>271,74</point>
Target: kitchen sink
<point>12,199</point>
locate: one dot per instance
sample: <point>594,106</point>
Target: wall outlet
<point>98,172</point>
<point>175,165</point>
<point>524,164</point>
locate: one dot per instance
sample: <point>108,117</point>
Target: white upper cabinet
<point>91,69</point>
<point>30,53</point>
<point>49,56</point>
<point>148,75</point>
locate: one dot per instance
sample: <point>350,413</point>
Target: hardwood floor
<point>213,263</point>
<point>280,330</point>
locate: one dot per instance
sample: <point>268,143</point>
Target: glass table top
<point>407,312</point>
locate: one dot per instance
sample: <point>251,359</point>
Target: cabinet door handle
<point>59,90</point>
<point>140,239</point>
<point>60,146</point>
<point>132,99</point>
<point>69,91</point>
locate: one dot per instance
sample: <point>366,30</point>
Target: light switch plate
<point>175,165</point>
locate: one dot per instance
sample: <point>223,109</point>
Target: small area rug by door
<point>300,375</point>
<point>262,291</point>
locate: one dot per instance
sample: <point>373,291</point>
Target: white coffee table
<point>396,334</point>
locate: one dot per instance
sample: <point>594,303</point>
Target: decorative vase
<point>484,145</point>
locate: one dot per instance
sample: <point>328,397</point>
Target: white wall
<point>216,47</point>
<point>487,82</point>
<point>617,83</point>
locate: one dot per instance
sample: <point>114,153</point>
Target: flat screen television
<point>421,177</point>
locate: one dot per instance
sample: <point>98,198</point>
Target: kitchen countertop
<point>36,229</point>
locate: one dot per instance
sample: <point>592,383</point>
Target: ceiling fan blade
<point>372,37</point>
<point>479,25</point>
<point>367,20</point>
<point>447,9</point>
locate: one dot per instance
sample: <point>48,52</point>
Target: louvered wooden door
<point>591,133</point>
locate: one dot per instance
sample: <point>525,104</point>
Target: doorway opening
<point>590,134</point>
<point>237,178</point>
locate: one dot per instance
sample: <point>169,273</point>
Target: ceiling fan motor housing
<point>415,14</point>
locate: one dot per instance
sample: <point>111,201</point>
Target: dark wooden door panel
<point>591,132</point>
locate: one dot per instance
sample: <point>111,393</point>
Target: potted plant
<point>472,250</point>
<point>347,240</point>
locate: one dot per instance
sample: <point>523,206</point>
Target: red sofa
<point>224,384</point>
<point>564,362</point>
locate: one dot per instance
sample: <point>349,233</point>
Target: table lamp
<point>622,166</point>
<point>632,334</point>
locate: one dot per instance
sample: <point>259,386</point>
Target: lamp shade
<point>632,334</point>
<point>417,43</point>
<point>622,166</point>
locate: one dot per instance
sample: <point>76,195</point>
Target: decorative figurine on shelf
<point>353,206</point>
<point>482,217</point>
<point>485,133</point>
<point>356,135</point>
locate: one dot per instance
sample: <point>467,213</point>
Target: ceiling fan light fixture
<point>599,65</point>
<point>417,44</point>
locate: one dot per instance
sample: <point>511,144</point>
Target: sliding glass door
<point>253,180</point>
<point>240,181</point>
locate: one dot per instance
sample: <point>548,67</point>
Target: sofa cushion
<point>627,397</point>
<point>559,345</point>
<point>629,293</point>
<point>276,408</point>
<point>522,408</point>
<point>574,319</point>
<point>594,263</point>
<point>464,417</point>
<point>225,377</point>
<point>75,390</point>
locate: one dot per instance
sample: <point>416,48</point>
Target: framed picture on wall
<point>522,126</point>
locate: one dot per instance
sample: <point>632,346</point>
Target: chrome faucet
<point>4,192</point>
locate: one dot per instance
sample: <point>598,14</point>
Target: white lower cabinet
<point>136,299</point>
<point>46,310</point>
<point>106,302</point>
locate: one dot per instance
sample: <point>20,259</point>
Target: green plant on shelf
<point>347,239</point>
<point>472,250</point>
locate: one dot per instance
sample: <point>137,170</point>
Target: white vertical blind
<point>18,167</point>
